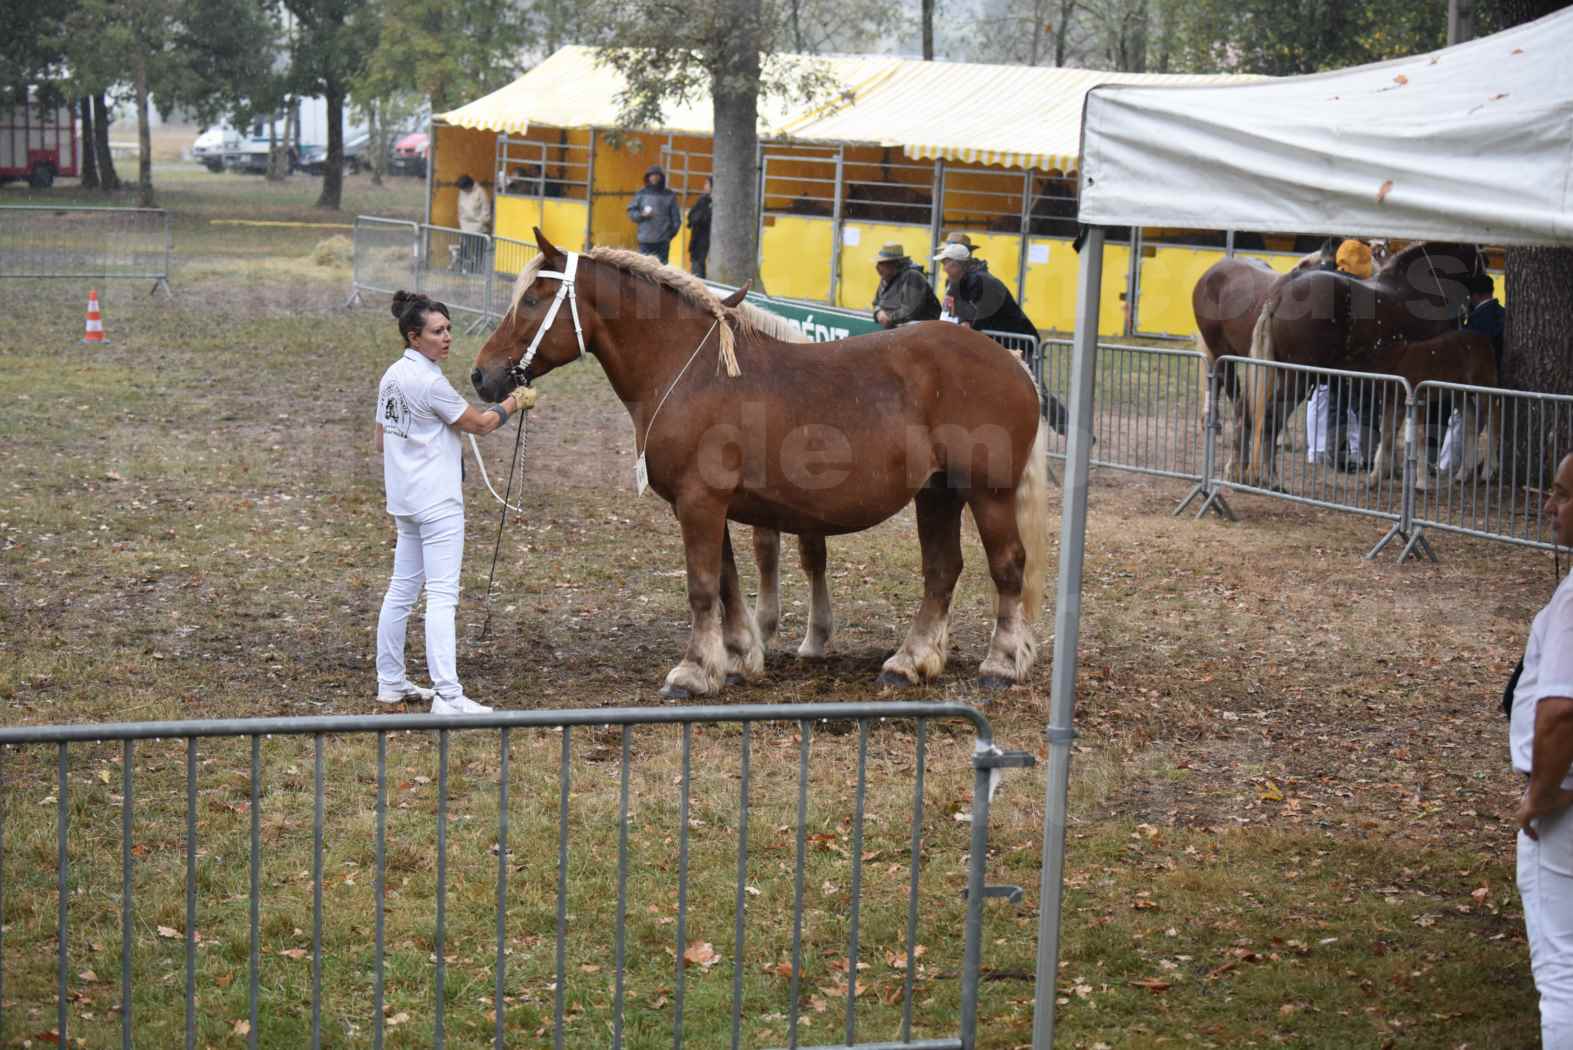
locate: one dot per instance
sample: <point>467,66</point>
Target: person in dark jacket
<point>1486,315</point>
<point>978,299</point>
<point>699,231</point>
<point>655,212</point>
<point>904,294</point>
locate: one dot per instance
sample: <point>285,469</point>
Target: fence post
<point>1212,497</point>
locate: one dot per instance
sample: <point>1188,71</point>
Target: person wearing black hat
<point>655,213</point>
<point>1486,315</point>
<point>904,294</point>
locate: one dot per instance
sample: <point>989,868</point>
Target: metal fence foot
<point>1417,542</point>
<point>354,299</point>
<point>1197,489</point>
<point>1214,502</point>
<point>162,282</point>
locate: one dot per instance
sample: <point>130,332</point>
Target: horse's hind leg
<point>703,667</point>
<point>1012,649</point>
<point>816,641</point>
<point>922,655</point>
<point>767,558</point>
<point>745,652</point>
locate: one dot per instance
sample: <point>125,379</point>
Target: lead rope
<point>516,467</point>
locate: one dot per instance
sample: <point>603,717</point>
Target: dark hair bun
<point>402,301</point>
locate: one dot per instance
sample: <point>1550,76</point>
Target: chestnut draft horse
<point>1227,300</point>
<point>1327,319</point>
<point>733,425</point>
<point>1462,357</point>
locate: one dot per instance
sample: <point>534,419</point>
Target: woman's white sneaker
<point>404,694</point>
<point>459,705</point>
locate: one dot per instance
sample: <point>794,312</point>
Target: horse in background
<point>1461,357</point>
<point>1326,319</point>
<point>789,437</point>
<point>1227,301</point>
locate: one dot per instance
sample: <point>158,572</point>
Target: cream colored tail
<point>1032,523</point>
<point>1261,386</point>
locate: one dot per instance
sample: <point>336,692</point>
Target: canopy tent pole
<point>1067,630</point>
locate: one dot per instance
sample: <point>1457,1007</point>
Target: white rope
<point>482,464</point>
<point>639,446</point>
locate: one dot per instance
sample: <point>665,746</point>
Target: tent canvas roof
<point>926,109</point>
<point>1468,143</point>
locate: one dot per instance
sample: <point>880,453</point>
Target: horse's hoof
<point>735,679</point>
<point>994,682</point>
<point>892,680</point>
<point>675,692</point>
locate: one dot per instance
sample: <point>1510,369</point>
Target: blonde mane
<point>688,287</point>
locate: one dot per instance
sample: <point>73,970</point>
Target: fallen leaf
<point>702,954</point>
<point>168,932</point>
<point>1152,984</point>
<point>1381,194</point>
<point>241,1028</point>
<point>398,1018</point>
<point>783,969</point>
<point>1271,793</point>
<point>1481,894</point>
<point>293,953</point>
<point>89,976</point>
<point>589,968</point>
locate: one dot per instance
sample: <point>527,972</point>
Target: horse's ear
<point>554,258</point>
<point>739,295</point>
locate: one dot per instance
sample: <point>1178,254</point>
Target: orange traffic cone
<point>95,322</point>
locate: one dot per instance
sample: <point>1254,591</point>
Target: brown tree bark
<point>89,157</point>
<point>108,178</point>
<point>734,92</point>
<point>333,174</point>
<point>144,136</point>
<point>928,29</point>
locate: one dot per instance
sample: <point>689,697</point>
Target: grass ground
<point>1289,796</point>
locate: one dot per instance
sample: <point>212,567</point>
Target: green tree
<point>329,50</point>
<point>670,54</point>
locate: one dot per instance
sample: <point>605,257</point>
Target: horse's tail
<point>1032,522</point>
<point>1261,383</point>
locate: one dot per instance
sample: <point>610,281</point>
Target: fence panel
<point>1345,464</point>
<point>50,241</point>
<point>385,253</point>
<point>501,865</point>
<point>1147,407</point>
<point>455,267</point>
<point>1487,458</point>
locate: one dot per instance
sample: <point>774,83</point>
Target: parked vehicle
<point>314,159</point>
<point>38,143</point>
<point>250,154</point>
<point>213,143</point>
<point>409,154</point>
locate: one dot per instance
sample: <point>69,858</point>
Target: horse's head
<point>544,326</point>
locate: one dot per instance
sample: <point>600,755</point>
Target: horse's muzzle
<point>494,386</point>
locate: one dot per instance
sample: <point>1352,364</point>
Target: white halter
<point>564,290</point>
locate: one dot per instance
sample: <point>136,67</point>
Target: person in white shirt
<point>475,219</point>
<point>419,416</point>
<point>1540,738</point>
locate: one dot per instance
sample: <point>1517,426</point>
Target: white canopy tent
<point>1470,143</point>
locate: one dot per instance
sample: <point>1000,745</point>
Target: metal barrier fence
<point>1494,453</point>
<point>385,256</point>
<point>229,812</point>
<point>455,267</point>
<point>52,241</point>
<point>1147,407</point>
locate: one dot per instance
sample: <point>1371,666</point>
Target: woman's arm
<point>486,420</point>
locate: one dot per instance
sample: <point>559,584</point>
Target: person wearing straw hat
<point>904,294</point>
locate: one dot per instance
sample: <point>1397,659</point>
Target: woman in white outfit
<point>1540,736</point>
<point>419,417</point>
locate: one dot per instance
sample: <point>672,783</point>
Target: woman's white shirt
<point>1548,672</point>
<point>421,450</point>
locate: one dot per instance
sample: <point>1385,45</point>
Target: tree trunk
<point>144,136</point>
<point>108,178</point>
<point>375,134</point>
<point>89,151</point>
<point>333,173</point>
<point>1062,31</point>
<point>928,30</point>
<point>275,151</point>
<point>1538,348</point>
<point>734,90</point>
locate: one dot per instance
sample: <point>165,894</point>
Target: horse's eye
<point>531,301</point>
